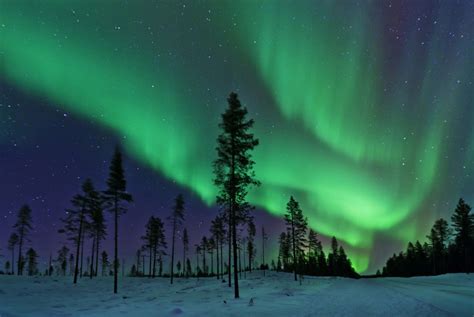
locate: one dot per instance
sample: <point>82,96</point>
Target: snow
<point>276,294</point>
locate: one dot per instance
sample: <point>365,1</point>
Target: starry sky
<point>364,111</point>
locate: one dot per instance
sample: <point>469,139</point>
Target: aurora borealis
<point>364,111</point>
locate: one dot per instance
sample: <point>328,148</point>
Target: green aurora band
<point>360,154</point>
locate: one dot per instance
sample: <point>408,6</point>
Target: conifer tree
<point>218,232</point>
<point>32,258</point>
<point>251,231</point>
<point>463,224</point>
<point>23,227</point>
<point>333,257</point>
<point>233,168</point>
<point>105,263</point>
<point>177,218</point>
<point>264,238</point>
<point>12,242</point>
<point>7,267</point>
<point>114,196</point>
<point>185,248</point>
<point>297,225</point>
<point>62,258</point>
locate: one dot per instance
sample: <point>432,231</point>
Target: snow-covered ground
<point>275,295</point>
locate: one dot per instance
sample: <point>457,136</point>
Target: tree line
<point>227,252</point>
<point>449,249</point>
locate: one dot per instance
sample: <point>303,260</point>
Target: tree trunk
<point>263,251</point>
<point>240,262</point>
<point>217,258</point>
<point>245,265</point>
<point>82,252</point>
<point>234,246</point>
<point>91,273</point>
<point>151,259</point>
<point>222,260</point>
<point>116,245</point>
<point>204,262</point>
<point>294,246</point>
<point>172,250</point>
<point>230,247</point>
<point>78,246</point>
<point>20,264</point>
<point>13,260</point>
<point>154,262</point>
<point>97,255</point>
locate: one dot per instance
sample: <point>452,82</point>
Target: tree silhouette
<point>264,238</point>
<point>114,197</point>
<point>297,225</point>
<point>218,232</point>
<point>23,227</point>
<point>177,218</point>
<point>32,258</point>
<point>12,242</point>
<point>62,258</point>
<point>233,168</point>
<point>154,242</point>
<point>251,231</point>
<point>185,249</point>
<point>105,263</point>
<point>463,224</point>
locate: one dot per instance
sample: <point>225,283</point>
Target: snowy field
<point>275,295</point>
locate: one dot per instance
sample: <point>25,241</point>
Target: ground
<point>276,294</point>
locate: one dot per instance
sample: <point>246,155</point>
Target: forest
<point>229,250</point>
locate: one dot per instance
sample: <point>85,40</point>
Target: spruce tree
<point>115,196</point>
<point>61,260</point>
<point>264,238</point>
<point>251,231</point>
<point>177,218</point>
<point>233,168</point>
<point>105,263</point>
<point>463,224</point>
<point>185,248</point>
<point>297,225</point>
<point>32,258</point>
<point>12,242</point>
<point>23,227</point>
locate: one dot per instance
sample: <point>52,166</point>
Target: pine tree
<point>204,247</point>
<point>333,258</point>
<point>177,218</point>
<point>219,234</point>
<point>313,250</point>
<point>438,239</point>
<point>23,227</point>
<point>97,227</point>
<point>189,270</point>
<point>155,242</point>
<point>463,224</point>
<point>185,248</point>
<point>105,263</point>
<point>264,238</point>
<point>12,242</point>
<point>251,231</point>
<point>71,264</point>
<point>233,168</point>
<point>297,225</point>
<point>32,258</point>
<point>7,267</point>
<point>114,196</point>
<point>77,223</point>
<point>62,258</point>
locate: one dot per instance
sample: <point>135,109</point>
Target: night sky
<point>364,111</point>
